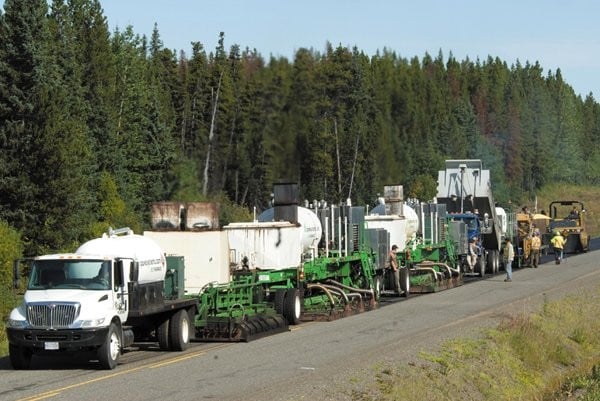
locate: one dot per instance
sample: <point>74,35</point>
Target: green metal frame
<point>436,257</point>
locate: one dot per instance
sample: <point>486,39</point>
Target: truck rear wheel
<point>162,335</point>
<point>180,331</point>
<point>20,357</point>
<point>496,260</point>
<point>109,352</point>
<point>489,267</point>
<point>481,266</point>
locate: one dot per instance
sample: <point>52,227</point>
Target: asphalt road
<point>314,361</point>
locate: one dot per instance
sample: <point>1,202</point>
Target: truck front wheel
<point>179,331</point>
<point>109,352</point>
<point>20,357</point>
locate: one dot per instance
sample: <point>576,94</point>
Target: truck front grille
<point>51,315</point>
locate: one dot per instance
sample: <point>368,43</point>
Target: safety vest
<point>536,243</point>
<point>558,241</point>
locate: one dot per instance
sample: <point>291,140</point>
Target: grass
<point>8,300</point>
<point>547,356</point>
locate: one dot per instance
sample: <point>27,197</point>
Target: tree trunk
<point>353,167</point>
<point>210,138</point>
<point>337,152</point>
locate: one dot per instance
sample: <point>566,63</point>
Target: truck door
<point>122,271</point>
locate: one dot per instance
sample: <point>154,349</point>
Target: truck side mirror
<point>118,273</point>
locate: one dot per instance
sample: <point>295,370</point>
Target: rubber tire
<point>180,331</point>
<point>279,300</point>
<point>110,350</point>
<point>162,335</point>
<point>20,357</point>
<point>377,285</point>
<point>496,261</point>
<point>405,281</point>
<point>258,295</point>
<point>489,266</point>
<point>481,266</point>
<point>292,306</point>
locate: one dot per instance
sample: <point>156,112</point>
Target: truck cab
<point>464,227</point>
<point>70,303</point>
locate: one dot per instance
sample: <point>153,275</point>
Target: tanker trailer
<point>101,298</point>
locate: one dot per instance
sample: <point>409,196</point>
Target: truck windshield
<point>470,221</point>
<point>65,274</point>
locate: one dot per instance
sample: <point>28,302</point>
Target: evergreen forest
<point>96,125</point>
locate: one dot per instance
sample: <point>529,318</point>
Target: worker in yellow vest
<point>558,243</point>
<point>536,245</point>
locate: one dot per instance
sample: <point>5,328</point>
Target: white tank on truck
<point>147,253</point>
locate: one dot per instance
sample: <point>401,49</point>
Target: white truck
<point>112,291</point>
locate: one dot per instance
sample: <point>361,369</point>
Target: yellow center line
<point>175,360</point>
<point>54,392</point>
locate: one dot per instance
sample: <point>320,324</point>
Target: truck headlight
<point>17,324</point>
<point>92,323</point>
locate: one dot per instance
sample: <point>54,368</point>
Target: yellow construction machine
<point>568,217</point>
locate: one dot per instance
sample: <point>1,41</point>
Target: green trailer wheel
<point>292,306</point>
<point>279,300</point>
<point>405,281</point>
<point>377,286</point>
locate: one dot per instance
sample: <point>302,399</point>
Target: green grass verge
<point>8,300</point>
<point>543,356</point>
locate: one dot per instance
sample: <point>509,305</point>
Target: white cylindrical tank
<point>412,221</point>
<point>400,228</point>
<point>308,220</point>
<point>151,259</point>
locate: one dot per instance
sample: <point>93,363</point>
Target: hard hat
<point>556,232</point>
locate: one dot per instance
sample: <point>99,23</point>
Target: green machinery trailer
<point>431,257</point>
<point>284,271</point>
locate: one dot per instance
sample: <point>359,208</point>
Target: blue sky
<point>561,34</point>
